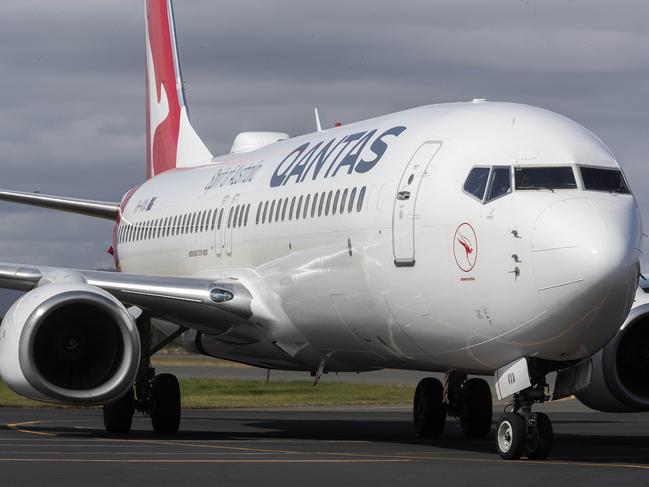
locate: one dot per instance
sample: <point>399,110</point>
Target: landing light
<point>221,295</point>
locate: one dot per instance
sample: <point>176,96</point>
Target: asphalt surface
<point>313,447</point>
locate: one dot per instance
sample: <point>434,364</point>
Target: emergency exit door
<point>405,204</point>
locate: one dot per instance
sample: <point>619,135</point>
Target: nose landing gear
<point>522,432</point>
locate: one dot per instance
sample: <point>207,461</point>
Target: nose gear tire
<point>511,436</point>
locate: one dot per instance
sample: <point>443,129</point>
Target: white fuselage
<point>389,283</point>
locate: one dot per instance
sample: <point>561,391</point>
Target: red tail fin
<point>171,140</point>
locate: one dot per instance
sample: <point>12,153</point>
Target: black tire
<point>511,436</point>
<point>165,416</point>
<point>118,415</point>
<point>428,411</point>
<point>476,421</point>
<point>540,441</point>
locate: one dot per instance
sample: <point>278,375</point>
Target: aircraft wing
<point>185,300</point>
<point>99,209</point>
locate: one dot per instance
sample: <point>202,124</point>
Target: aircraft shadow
<point>573,447</point>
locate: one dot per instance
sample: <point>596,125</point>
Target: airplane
<point>475,238</point>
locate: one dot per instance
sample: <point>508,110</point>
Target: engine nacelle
<point>620,371</point>
<point>69,343</point>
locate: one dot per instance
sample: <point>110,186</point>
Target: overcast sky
<point>72,97</point>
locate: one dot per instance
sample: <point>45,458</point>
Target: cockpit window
<point>501,183</point>
<point>601,179</point>
<point>538,178</point>
<point>476,182</point>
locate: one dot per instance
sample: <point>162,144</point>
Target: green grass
<point>219,393</point>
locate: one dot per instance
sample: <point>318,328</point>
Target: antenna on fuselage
<point>318,125</point>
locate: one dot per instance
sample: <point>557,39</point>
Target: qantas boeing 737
<point>472,238</point>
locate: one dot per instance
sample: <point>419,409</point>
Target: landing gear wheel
<point>511,436</point>
<point>118,415</point>
<point>428,412</point>
<point>476,421</point>
<point>539,442</point>
<point>165,416</point>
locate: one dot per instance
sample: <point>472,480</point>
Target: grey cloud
<point>72,108</point>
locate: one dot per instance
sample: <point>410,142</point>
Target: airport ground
<point>313,446</point>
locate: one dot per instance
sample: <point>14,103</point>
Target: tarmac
<point>313,447</point>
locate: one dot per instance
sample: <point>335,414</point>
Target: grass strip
<point>227,393</point>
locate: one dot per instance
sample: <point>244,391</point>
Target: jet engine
<point>620,371</point>
<point>69,343</point>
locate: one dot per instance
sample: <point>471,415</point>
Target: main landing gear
<point>156,396</point>
<point>467,399</point>
<point>522,432</point>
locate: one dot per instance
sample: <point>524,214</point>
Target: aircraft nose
<point>586,265</point>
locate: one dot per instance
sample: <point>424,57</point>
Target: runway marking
<point>360,457</point>
<point>155,460</point>
<point>19,426</point>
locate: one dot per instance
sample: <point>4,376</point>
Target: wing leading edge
<point>98,209</point>
<point>191,301</point>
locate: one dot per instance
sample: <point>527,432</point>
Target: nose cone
<point>585,258</point>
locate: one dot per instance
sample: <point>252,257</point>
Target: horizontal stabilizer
<point>99,209</point>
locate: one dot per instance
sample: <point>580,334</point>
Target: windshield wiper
<point>537,187</point>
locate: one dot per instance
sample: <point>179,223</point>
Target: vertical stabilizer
<point>171,139</point>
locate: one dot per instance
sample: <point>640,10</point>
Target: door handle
<point>403,195</point>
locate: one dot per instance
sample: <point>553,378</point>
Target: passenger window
<point>214,218</point>
<point>284,205</point>
<point>201,227</point>
<point>258,213</point>
<point>315,205</point>
<point>230,217</point>
<point>343,201</point>
<point>271,212</point>
<point>501,183</point>
<point>476,182</point>
<point>290,211</point>
<point>245,221</point>
<point>538,178</point>
<point>361,197</point>
<point>263,216</point>
<point>352,197</point>
<point>335,203</point>
<point>236,216</point>
<point>321,205</point>
<point>278,209</point>
<point>298,209</point>
<point>242,211</point>
<point>218,225</point>
<point>306,206</point>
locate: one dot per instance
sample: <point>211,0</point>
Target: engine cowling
<point>620,371</point>
<point>69,343</point>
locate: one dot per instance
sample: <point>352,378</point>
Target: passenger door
<point>405,204</point>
